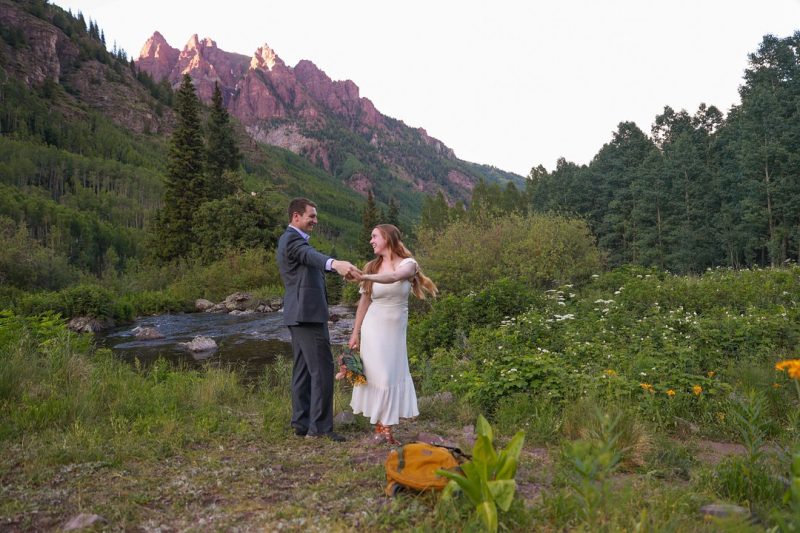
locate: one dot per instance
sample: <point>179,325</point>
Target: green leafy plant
<point>590,462</point>
<point>488,479</point>
<point>748,415</point>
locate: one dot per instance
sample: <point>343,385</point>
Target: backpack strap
<point>455,450</point>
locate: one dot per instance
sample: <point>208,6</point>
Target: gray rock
<point>84,520</point>
<point>200,344</point>
<point>147,332</point>
<point>444,397</point>
<point>88,324</point>
<point>237,312</point>
<point>468,435</point>
<point>201,304</point>
<point>344,418</point>
<point>217,308</point>
<point>430,438</point>
<point>240,301</point>
<point>724,510</point>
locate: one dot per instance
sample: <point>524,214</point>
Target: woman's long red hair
<point>420,283</point>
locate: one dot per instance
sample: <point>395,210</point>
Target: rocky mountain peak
<point>157,57</point>
<point>199,46</point>
<point>265,58</point>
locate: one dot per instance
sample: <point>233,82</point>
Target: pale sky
<point>509,83</point>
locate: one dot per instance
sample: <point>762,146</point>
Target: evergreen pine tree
<point>369,221</point>
<point>185,187</point>
<point>393,215</point>
<point>223,153</point>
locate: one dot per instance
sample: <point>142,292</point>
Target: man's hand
<point>343,268</point>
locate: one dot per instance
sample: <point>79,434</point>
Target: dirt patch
<point>712,452</point>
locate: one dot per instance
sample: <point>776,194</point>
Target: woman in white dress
<point>380,332</point>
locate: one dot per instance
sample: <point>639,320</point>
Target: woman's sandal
<point>383,434</point>
<point>387,435</point>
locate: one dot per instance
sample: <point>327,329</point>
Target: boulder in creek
<point>240,301</point>
<point>201,304</point>
<point>88,324</point>
<point>147,333</point>
<point>200,344</point>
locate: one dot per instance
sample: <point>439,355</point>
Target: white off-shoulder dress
<point>389,393</point>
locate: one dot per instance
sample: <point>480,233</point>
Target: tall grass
<point>54,387</point>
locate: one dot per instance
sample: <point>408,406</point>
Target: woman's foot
<point>387,434</point>
<point>383,434</point>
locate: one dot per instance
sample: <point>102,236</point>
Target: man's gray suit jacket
<point>302,269</point>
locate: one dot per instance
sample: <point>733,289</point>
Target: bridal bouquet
<point>351,368</point>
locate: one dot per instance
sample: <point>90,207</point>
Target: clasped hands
<point>347,270</point>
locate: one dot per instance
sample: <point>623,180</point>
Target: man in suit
<point>305,312</point>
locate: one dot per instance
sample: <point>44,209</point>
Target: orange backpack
<point>414,465</point>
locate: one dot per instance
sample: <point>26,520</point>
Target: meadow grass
<point>176,448</point>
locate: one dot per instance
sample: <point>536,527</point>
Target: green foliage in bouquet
<point>488,479</point>
<point>351,368</point>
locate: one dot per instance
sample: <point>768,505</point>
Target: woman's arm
<point>404,271</point>
<point>361,311</point>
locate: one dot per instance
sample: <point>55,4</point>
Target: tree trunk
<point>770,221</point>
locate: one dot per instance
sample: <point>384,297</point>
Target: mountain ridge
<point>303,110</point>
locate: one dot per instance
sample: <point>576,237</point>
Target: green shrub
<point>452,317</point>
<point>237,271</point>
<point>536,250</point>
<point>152,303</point>
<point>79,300</point>
<point>619,341</point>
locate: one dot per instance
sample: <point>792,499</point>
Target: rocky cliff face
<point>37,52</point>
<point>44,54</point>
<point>258,88</point>
<point>296,108</point>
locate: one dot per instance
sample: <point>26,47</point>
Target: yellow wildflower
<point>647,388</point>
<point>791,366</point>
<point>776,386</point>
<point>608,372</point>
<point>697,390</point>
<point>670,393</point>
<point>710,373</point>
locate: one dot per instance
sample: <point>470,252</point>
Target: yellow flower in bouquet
<point>351,368</point>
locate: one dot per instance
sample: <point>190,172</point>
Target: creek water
<point>246,342</point>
